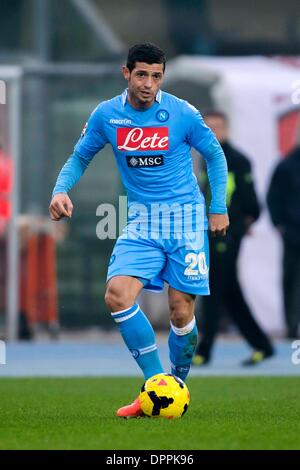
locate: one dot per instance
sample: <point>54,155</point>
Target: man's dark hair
<point>215,113</point>
<point>148,53</point>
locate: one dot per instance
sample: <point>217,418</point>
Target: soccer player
<point>151,133</point>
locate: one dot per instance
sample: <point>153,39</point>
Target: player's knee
<point>181,311</point>
<point>180,317</point>
<point>116,299</point>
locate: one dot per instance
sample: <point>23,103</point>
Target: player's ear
<point>126,72</point>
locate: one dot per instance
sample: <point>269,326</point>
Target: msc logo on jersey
<point>162,115</point>
<point>138,138</point>
<point>144,161</point>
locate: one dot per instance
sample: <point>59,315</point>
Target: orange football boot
<point>133,410</point>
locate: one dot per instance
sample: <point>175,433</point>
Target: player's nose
<point>148,82</point>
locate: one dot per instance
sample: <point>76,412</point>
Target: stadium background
<point>69,66</point>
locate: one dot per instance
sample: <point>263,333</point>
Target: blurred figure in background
<point>243,210</point>
<point>284,205</point>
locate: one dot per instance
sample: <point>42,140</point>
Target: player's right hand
<point>218,224</point>
<point>60,206</point>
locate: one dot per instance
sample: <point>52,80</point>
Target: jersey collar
<point>125,95</point>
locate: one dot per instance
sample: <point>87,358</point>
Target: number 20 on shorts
<point>196,264</point>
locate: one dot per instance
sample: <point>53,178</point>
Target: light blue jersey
<point>152,148</point>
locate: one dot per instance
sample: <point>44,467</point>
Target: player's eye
<point>141,74</point>
<point>157,76</point>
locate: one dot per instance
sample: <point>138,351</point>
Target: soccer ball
<point>164,396</point>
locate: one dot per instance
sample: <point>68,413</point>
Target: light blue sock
<point>182,345</point>
<point>139,337</point>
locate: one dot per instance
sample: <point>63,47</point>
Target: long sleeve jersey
<point>152,151</point>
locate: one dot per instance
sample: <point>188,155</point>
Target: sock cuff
<point>184,330</point>
<point>123,315</point>
<point>148,349</point>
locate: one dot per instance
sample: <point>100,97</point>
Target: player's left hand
<point>218,224</point>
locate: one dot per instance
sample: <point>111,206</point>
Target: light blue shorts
<point>182,263</point>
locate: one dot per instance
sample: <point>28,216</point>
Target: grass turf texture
<point>78,413</point>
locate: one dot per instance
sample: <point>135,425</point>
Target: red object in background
<point>38,279</point>
<point>39,283</point>
<point>288,125</point>
<point>6,177</point>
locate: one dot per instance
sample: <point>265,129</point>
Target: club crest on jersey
<point>142,138</point>
<point>162,115</point>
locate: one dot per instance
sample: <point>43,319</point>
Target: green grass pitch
<point>78,413</point>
